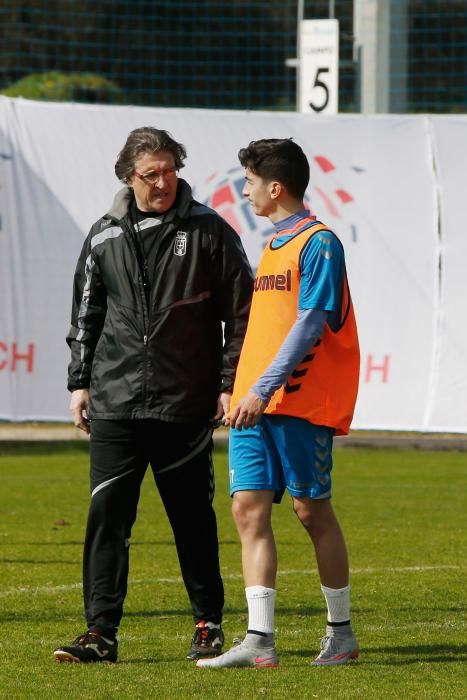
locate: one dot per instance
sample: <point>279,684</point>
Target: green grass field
<point>404,516</point>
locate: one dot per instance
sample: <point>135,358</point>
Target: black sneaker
<point>207,641</point>
<point>88,648</point>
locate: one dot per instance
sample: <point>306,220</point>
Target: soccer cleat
<point>207,641</point>
<point>249,653</point>
<point>88,648</point>
<point>337,647</point>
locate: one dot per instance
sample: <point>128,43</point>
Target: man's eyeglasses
<point>152,178</point>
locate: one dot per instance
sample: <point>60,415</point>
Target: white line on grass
<point>38,589</point>
<point>28,590</point>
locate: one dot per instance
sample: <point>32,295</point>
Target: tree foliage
<point>61,87</point>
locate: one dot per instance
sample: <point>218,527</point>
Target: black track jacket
<point>164,358</point>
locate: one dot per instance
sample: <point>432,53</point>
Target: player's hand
<point>79,408</point>
<point>247,412</point>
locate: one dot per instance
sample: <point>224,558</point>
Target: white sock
<point>338,602</point>
<point>261,602</point>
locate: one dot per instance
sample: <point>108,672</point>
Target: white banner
<point>390,187</point>
<point>449,378</point>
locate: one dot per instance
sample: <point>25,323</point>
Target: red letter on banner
<point>4,349</point>
<point>28,357</point>
<point>371,367</point>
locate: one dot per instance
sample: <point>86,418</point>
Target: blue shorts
<point>282,452</point>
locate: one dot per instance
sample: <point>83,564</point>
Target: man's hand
<point>247,412</point>
<point>223,407</point>
<point>79,409</point>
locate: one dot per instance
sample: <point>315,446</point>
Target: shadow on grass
<point>76,562</point>
<point>293,612</point>
<point>34,617</point>
<point>43,544</point>
<point>135,662</point>
<point>398,656</point>
<point>421,653</point>
<point>158,543</point>
<point>47,447</point>
<point>41,447</point>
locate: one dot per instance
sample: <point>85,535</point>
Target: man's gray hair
<point>147,139</point>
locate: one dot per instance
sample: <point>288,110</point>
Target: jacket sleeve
<point>235,288</point>
<point>89,307</point>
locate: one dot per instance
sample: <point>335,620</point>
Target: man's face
<point>154,181</point>
<point>258,193</point>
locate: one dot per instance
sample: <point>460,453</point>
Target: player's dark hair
<point>278,159</point>
<point>147,139</point>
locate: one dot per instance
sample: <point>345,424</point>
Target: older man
<point>150,369</point>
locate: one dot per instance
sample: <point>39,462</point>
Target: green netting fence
<point>229,55</point>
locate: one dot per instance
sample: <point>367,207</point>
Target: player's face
<point>258,193</point>
<point>154,181</point>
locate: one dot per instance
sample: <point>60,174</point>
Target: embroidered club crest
<point>180,243</point>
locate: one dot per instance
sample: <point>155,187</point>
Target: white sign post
<point>318,66</point>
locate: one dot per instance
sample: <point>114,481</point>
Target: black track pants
<point>180,458</point>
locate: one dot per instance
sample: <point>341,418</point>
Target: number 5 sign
<point>318,66</point>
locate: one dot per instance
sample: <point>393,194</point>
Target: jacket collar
<point>122,202</point>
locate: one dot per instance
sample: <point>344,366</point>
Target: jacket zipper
<point>146,307</point>
<point>145,311</point>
